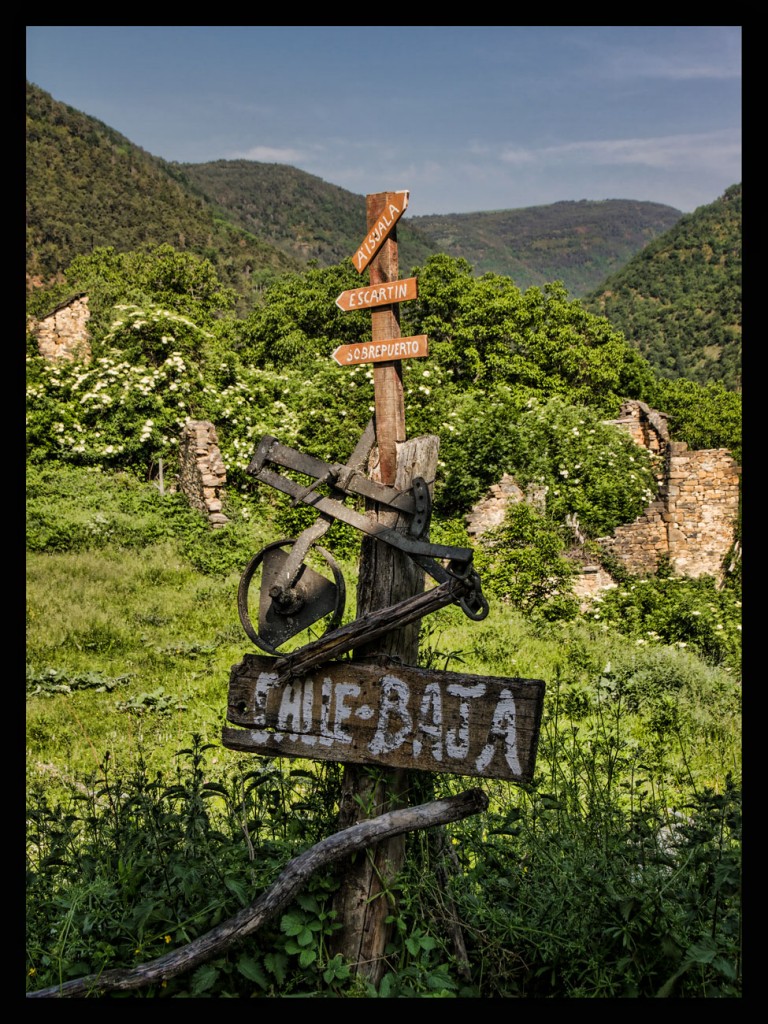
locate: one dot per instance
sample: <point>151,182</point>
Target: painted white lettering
<point>503,729</point>
<point>457,742</point>
<point>393,703</point>
<point>264,683</point>
<point>343,690</point>
<point>430,721</point>
<point>307,705</point>
<point>326,695</point>
<point>290,711</point>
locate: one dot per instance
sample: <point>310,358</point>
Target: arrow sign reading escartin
<point>376,237</point>
<point>378,294</point>
<point>382,351</point>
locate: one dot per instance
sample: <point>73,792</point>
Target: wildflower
<point>167,939</point>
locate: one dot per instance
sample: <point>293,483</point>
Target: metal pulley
<point>292,595</point>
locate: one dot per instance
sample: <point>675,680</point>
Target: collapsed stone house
<point>63,333</point>
<point>692,522</point>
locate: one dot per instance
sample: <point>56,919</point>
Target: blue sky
<point>466,118</point>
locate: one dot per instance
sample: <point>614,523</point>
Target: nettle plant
<point>679,611</point>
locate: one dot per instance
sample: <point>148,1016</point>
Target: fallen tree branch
<point>274,899</point>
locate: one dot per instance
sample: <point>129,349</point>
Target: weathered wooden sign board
<point>396,716</point>
<point>416,346</point>
<point>379,295</point>
<point>393,210</point>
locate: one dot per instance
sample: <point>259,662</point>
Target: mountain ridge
<point>88,186</point>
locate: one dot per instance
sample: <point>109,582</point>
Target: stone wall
<point>63,334</point>
<point>202,474</point>
<point>692,522</point>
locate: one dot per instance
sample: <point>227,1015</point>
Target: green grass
<point>143,831</point>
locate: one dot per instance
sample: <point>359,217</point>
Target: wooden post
<point>386,577</point>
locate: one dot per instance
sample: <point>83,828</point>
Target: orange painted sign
<point>382,351</point>
<point>371,244</point>
<point>379,294</point>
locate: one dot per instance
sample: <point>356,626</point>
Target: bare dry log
<point>281,892</point>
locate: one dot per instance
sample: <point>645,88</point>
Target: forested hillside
<point>578,243</point>
<point>678,301</point>
<point>298,212</point>
<point>88,186</point>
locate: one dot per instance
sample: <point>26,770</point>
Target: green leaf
<point>307,957</point>
<point>277,964</point>
<point>204,978</point>
<point>248,967</point>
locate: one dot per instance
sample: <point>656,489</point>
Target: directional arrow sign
<point>382,351</point>
<point>371,244</point>
<point>378,294</point>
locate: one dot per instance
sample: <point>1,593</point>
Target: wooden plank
<point>379,295</point>
<point>388,396</point>
<point>391,207</point>
<point>414,347</point>
<point>397,716</point>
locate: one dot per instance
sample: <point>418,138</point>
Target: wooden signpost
<point>377,710</point>
<point>382,351</point>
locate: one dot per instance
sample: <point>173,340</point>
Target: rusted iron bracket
<point>292,596</point>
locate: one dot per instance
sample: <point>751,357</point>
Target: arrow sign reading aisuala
<point>378,294</point>
<point>382,351</point>
<point>375,238</point>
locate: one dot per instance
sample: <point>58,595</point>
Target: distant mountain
<point>579,243</point>
<point>678,301</point>
<point>89,186</point>
<point>299,213</point>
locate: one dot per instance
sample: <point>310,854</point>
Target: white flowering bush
<point>110,413</point>
<point>149,333</point>
<point>591,469</point>
<point>679,611</point>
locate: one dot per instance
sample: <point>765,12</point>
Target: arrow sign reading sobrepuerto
<point>371,244</point>
<point>382,351</point>
<point>379,294</point>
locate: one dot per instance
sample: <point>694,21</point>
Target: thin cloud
<point>670,151</point>
<point>270,155</point>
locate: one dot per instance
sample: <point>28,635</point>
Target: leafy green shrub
<point>591,470</point>
<point>521,562</point>
<point>72,508</point>
<point>684,611</point>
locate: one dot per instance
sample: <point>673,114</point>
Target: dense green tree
<point>486,331</point>
<point>678,301</point>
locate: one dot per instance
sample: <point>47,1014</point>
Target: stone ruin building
<point>63,333</point>
<point>692,522</point>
